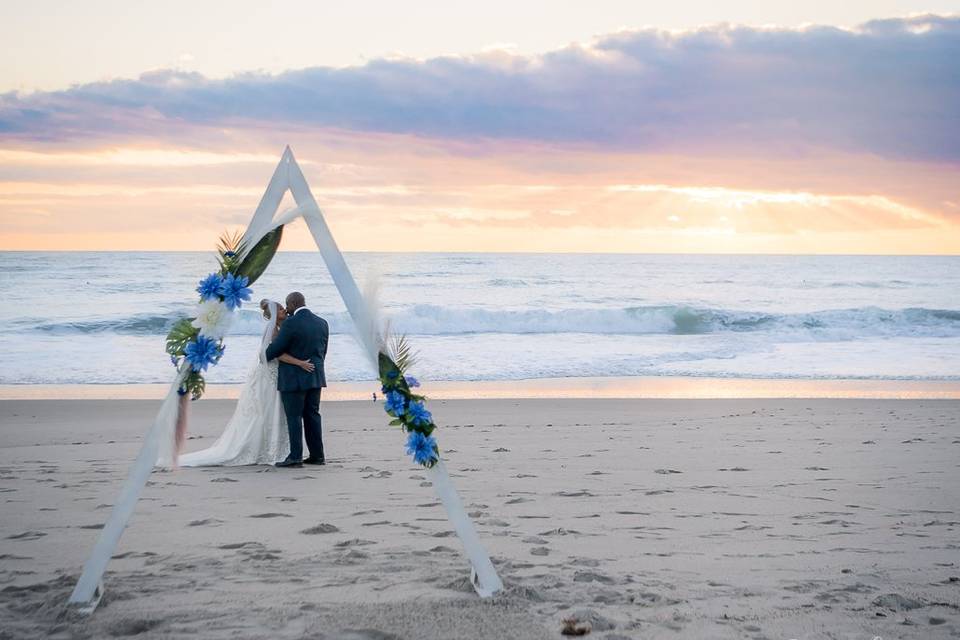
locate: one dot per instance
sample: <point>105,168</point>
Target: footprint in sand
<point>223,479</point>
<point>649,599</point>
<point>271,515</point>
<point>323,527</point>
<point>583,493</point>
<point>585,562</point>
<point>27,535</point>
<point>352,557</point>
<point>591,576</point>
<point>204,523</point>
<point>355,542</point>
<point>241,545</point>
<point>134,627</point>
<point>560,531</point>
<point>134,554</point>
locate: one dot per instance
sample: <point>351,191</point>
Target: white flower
<point>213,319</point>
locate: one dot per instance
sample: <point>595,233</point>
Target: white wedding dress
<point>257,432</point>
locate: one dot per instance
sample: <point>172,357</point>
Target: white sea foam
<point>102,317</point>
<point>425,319</point>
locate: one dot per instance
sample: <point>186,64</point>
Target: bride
<point>257,432</point>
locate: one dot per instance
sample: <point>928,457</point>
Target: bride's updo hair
<point>265,308</point>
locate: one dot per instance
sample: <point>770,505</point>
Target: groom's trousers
<point>302,409</point>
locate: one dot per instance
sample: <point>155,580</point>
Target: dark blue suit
<point>304,336</point>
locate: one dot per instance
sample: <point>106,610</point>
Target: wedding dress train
<point>257,431</point>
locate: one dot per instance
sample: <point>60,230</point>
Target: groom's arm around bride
<point>303,335</point>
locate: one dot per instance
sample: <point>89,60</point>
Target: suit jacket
<point>303,335</point>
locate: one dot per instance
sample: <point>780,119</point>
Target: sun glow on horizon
<point>141,198</point>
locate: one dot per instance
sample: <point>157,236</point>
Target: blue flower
<point>235,290</point>
<point>418,414</point>
<point>203,352</point>
<point>421,447</point>
<point>181,391</point>
<point>395,403</point>
<point>228,254</point>
<point>210,286</point>
<point>392,374</point>
<point>411,381</point>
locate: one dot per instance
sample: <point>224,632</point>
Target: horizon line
<point>590,253</point>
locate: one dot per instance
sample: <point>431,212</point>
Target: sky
<point>754,127</point>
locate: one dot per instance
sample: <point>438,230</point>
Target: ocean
<point>101,318</point>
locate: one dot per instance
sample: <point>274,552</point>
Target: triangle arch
<point>158,441</point>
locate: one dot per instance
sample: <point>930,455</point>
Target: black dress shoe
<point>312,460</point>
<point>294,464</point>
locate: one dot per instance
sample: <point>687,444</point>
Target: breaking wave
<point>639,320</point>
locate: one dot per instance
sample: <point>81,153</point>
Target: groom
<point>303,335</point>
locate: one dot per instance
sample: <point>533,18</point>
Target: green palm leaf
<point>195,385</point>
<point>258,258</point>
<point>182,333</point>
<point>401,352</point>
<point>229,249</point>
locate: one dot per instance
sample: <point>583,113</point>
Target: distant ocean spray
<point>102,317</point>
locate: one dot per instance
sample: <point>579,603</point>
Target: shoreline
<point>705,388</point>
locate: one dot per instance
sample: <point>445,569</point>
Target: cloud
<point>890,88</point>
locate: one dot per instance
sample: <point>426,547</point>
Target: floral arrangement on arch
<point>197,343</point>
<point>406,407</point>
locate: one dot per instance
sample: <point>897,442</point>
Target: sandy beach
<point>646,518</point>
